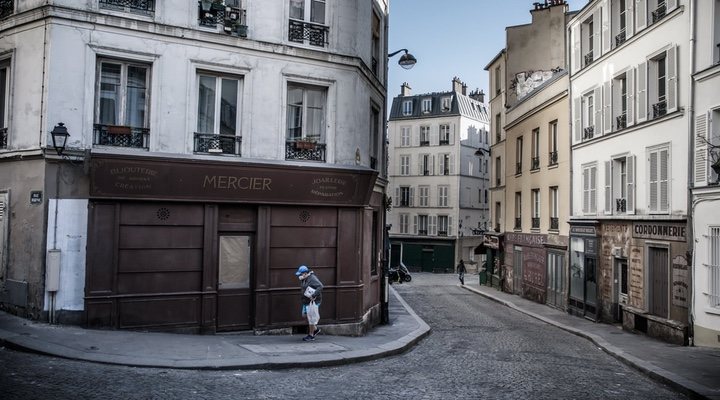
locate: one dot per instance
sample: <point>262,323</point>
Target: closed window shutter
<point>640,14</point>
<point>597,35</point>
<point>586,191</point>
<point>415,227</point>
<point>701,150</point>
<point>432,229</point>
<point>412,197</point>
<point>577,123</point>
<point>449,227</point>
<point>630,90</point>
<point>593,190</point>
<point>598,110</point>
<point>629,21</point>
<point>452,134</point>
<point>672,100</point>
<point>606,27</point>
<point>630,162</point>
<point>431,161</point>
<point>441,166</point>
<point>664,182</point>
<point>608,188</point>
<point>421,166</point>
<point>576,56</point>
<point>653,205</point>
<point>607,107</point>
<point>641,92</point>
<point>671,5</point>
<point>415,138</point>
<point>397,196</point>
<point>434,135</point>
<point>451,167</point>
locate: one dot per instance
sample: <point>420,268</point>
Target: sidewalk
<point>221,351</point>
<point>693,370</point>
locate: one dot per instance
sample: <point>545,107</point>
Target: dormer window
<point>407,107</point>
<point>445,104</point>
<point>426,106</point>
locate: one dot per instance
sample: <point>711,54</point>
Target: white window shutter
<point>397,196</point>
<point>593,190</point>
<point>415,218</point>
<point>606,27</point>
<point>664,160</point>
<point>701,150</point>
<point>586,191</point>
<point>432,164</point>
<point>630,90</point>
<point>672,69</point>
<point>607,107</point>
<point>421,167</point>
<point>608,188</point>
<point>671,5</point>
<point>412,197</point>
<point>432,229</point>
<point>597,35</point>
<point>576,56</point>
<point>434,135</point>
<point>629,20</point>
<point>597,99</point>
<point>452,134</point>
<point>630,171</point>
<point>449,227</point>
<point>641,92</point>
<point>441,164</point>
<point>577,122</point>
<point>640,15</point>
<point>415,137</point>
<point>653,165</point>
<point>451,168</point>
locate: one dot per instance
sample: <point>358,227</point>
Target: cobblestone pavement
<point>477,349</point>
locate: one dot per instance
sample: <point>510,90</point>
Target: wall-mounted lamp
<point>406,61</point>
<point>59,137</point>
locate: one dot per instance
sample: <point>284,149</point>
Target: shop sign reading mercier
<point>115,178</point>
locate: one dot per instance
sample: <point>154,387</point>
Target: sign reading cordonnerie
<point>660,230</point>
<point>194,181</point>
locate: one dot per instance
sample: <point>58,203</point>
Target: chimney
<point>457,85</point>
<point>464,89</point>
<point>478,95</point>
<point>405,89</point>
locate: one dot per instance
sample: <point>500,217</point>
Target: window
<point>432,225</point>
<point>424,136</point>
<point>404,220</point>
<point>442,196</point>
<point>422,225</point>
<point>716,34</point>
<point>659,190</point>
<point>486,196</point>
<point>424,192</point>
<point>498,171</point>
<point>658,9</point>
<point>554,225</point>
<point>619,21</point>
<point>622,100</point>
<point>217,116</point>
<point>307,22</point>
<point>405,136</point>
<point>446,164</point>
<point>122,104</point>
<point>407,107</point>
<point>405,165</point>
<point>518,155</point>
<point>376,45</point>
<point>535,208</point>
<point>498,81</point>
<point>426,106</point>
<point>375,139</point>
<point>136,6</point>
<point>4,102</point>
<point>620,185</point>
<point>535,160</point>
<point>498,208</point>
<point>657,96</point>
<point>553,137</point>
<point>713,279</point>
<point>444,134</point>
<point>445,103</point>
<point>588,116</point>
<point>485,164</point>
<point>590,39</point>
<point>443,225</point>
<point>498,129</point>
<point>589,182</point>
<point>426,165</point>
<point>306,113</point>
<point>405,196</point>
<point>518,211</point>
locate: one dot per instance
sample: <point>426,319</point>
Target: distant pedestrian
<point>461,272</point>
<point>311,297</point>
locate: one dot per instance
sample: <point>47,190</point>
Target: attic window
<point>426,105</point>
<point>445,104</point>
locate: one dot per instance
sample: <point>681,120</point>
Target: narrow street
<point>477,349</point>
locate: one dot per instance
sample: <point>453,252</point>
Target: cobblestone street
<point>477,349</point>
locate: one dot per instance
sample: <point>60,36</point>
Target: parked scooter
<point>399,274</point>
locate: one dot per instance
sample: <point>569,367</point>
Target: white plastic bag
<point>309,292</point>
<point>313,313</point>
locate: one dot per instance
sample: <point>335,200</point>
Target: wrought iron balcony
<point>422,231</point>
<point>659,109</point>
<point>300,150</point>
<point>446,172</point>
<point>554,223</point>
<point>534,163</point>
<point>314,34</point>
<point>518,223</point>
<point>535,223</point>
<point>588,132</point>
<point>373,163</point>
<point>424,143</point>
<point>621,205</point>
<point>588,58</point>
<point>444,142</point>
<point>497,227</point>
<point>553,158</point>
<point>518,168</point>
<point>404,203</point>
<point>620,38</point>
<point>442,233</point>
<point>233,20</point>
<point>659,12</point>
<point>141,6</point>
<point>3,138</point>
<point>121,136</point>
<point>6,8</point>
<point>217,144</point>
<point>426,172</point>
<point>621,121</point>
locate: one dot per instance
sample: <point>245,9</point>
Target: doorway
<point>234,298</point>
<point>658,264</point>
<point>556,280</point>
<point>620,288</point>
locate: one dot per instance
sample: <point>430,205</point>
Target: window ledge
<point>637,126</point>
<point>712,310</point>
<point>552,166</point>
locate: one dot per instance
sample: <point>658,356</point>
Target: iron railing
<point>621,205</point>
<point>444,142</point>
<point>121,136</point>
<point>424,143</point>
<point>620,38</point>
<point>659,109</point>
<point>534,163</point>
<point>3,138</point>
<point>554,223</point>
<point>296,150</point>
<point>518,223</point>
<point>553,158</point>
<point>6,8</point>
<point>621,121</point>
<point>535,223</point>
<point>588,58</point>
<point>233,20</point>
<point>217,144</point>
<point>422,231</point>
<point>315,34</point>
<point>588,132</point>
<point>659,12</point>
<point>497,227</point>
<point>373,163</point>
<point>442,233</point>
<point>143,6</point>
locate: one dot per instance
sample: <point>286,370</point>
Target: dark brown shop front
<point>188,246</point>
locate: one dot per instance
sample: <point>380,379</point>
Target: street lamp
<point>406,61</point>
<point>59,137</point>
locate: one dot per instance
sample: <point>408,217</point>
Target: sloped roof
<point>460,105</point>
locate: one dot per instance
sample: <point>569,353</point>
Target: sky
<point>451,38</point>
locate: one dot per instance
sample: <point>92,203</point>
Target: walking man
<point>461,272</point>
<point>311,292</point>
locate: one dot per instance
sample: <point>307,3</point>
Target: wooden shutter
<point>593,190</point>
<point>451,167</point>
<point>586,191</point>
<point>449,227</point>
<point>597,34</point>
<point>629,20</point>
<point>701,150</point>
<point>432,222</point>
<point>451,136</point>
<point>421,167</point>
<point>608,188</point>
<point>415,138</point>
<point>607,107</point>
<point>605,27</point>
<point>577,119</point>
<point>640,14</point>
<point>412,197</point>
<point>598,104</point>
<point>653,204</point>
<point>576,51</point>
<point>630,90</point>
<point>641,92</point>
<point>664,183</point>
<point>397,197</point>
<point>415,221</point>
<point>441,165</point>
<point>630,171</point>
<point>434,135</point>
<point>431,166</point>
<point>671,5</point>
<point>672,69</point>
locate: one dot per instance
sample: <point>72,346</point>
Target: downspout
<point>691,158</point>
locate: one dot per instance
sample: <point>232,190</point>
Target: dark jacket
<point>312,281</point>
<point>461,268</point>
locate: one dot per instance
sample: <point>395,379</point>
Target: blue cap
<point>301,270</point>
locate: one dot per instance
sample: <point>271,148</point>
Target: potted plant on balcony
<point>305,144</point>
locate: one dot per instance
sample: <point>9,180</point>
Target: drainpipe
<point>691,153</point>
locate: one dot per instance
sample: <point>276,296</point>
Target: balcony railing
<point>659,13</point>
<point>3,138</point>
<point>553,158</point>
<point>620,38</point>
<point>444,142</point>
<point>233,20</point>
<point>309,151</point>
<point>534,163</point>
<point>442,233</point>
<point>404,203</point>
<point>621,205</point>
<point>588,132</point>
<point>141,6</point>
<point>518,223</point>
<point>497,227</point>
<point>6,8</point>
<point>518,168</point>
<point>121,136</point>
<point>373,163</point>
<point>426,172</point>
<point>422,231</point>
<point>424,143</point>
<point>588,58</point>
<point>554,223</point>
<point>621,121</point>
<point>659,109</point>
<point>217,144</point>
<point>315,34</point>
